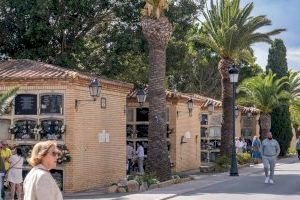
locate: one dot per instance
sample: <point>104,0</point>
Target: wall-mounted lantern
<point>94,89</point>
<point>141,96</point>
<point>249,114</point>
<point>190,105</point>
<point>236,111</point>
<point>210,107</point>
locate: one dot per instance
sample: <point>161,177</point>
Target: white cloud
<point>261,52</point>
<point>293,56</point>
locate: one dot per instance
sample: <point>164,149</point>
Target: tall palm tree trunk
<point>265,124</point>
<point>158,33</point>
<point>227,123</point>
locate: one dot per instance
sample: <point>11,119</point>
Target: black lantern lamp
<point>234,75</point>
<point>249,114</point>
<point>141,96</point>
<point>210,107</point>
<point>95,88</point>
<point>190,105</point>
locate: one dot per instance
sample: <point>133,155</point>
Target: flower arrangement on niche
<point>65,156</point>
<point>28,129</point>
<point>52,129</point>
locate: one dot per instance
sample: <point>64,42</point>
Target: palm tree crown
<point>264,92</point>
<point>155,8</point>
<point>230,31</point>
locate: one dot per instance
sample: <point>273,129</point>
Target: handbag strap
<point>14,164</point>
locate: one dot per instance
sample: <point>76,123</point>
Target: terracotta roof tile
<point>33,69</point>
<point>29,69</point>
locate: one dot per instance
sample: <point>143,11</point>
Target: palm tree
<point>157,31</point>
<point>265,92</point>
<point>230,31</point>
<point>294,100</point>
<point>6,98</point>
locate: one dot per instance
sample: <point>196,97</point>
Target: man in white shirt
<point>140,154</point>
<point>129,156</point>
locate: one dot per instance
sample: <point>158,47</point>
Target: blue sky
<point>283,14</point>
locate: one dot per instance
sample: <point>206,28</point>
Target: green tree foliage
<point>265,92</point>
<point>229,30</point>
<point>281,120</point>
<point>277,58</point>
<point>52,31</point>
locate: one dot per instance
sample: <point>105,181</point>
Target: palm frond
<point>6,98</point>
<point>232,29</point>
<point>264,92</point>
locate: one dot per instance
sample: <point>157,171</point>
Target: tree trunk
<point>227,123</point>
<point>157,32</point>
<point>265,124</point>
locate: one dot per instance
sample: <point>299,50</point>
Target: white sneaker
<point>271,181</point>
<point>267,180</point>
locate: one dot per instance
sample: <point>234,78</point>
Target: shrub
<point>243,158</point>
<point>291,151</point>
<point>148,178</point>
<point>222,164</point>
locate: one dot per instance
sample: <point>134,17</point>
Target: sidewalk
<point>200,181</point>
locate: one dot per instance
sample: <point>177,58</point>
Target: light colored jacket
<point>40,185</point>
<point>270,148</point>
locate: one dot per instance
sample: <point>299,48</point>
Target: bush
<point>222,164</point>
<point>148,178</point>
<point>243,158</point>
<point>291,151</point>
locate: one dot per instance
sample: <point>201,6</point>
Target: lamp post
<point>141,96</point>
<point>234,74</point>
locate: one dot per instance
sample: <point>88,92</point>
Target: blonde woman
<point>39,184</point>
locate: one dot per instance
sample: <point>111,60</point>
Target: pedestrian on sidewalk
<point>256,145</point>
<point>2,174</point>
<point>39,183</point>
<point>298,147</point>
<point>15,177</point>
<point>129,156</point>
<point>140,154</point>
<point>270,150</point>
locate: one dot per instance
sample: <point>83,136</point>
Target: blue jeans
<point>2,187</point>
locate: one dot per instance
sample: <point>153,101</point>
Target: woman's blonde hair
<point>39,151</point>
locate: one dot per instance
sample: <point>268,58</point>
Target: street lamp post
<point>234,74</point>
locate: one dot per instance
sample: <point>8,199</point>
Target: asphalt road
<point>252,186</point>
<point>248,186</point>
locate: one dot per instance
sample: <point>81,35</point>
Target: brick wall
<point>187,154</point>
<point>93,164</point>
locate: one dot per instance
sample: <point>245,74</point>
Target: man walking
<point>270,150</point>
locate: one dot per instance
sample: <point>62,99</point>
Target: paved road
<point>252,186</point>
<point>249,185</point>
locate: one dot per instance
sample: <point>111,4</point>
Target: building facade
<point>54,103</point>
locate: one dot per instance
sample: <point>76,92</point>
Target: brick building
<point>54,99</point>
